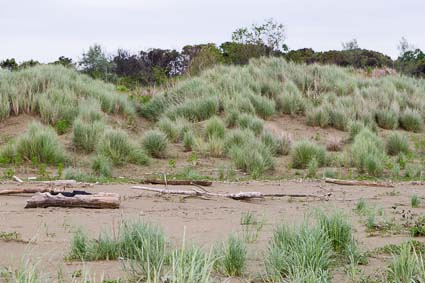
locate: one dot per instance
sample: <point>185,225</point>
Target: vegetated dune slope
<point>269,118</point>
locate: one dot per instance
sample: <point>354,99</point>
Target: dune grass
<point>304,152</point>
<point>155,143</point>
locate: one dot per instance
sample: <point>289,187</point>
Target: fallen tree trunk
<point>26,191</point>
<point>358,183</point>
<point>178,182</point>
<point>235,196</point>
<point>97,201</point>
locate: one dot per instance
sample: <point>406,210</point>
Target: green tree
<point>96,63</point>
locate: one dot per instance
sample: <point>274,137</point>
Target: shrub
<point>214,128</point>
<point>318,117</point>
<point>86,135</point>
<point>397,143</point>
<point>155,143</point>
<point>338,119</point>
<point>387,119</point>
<point>169,128</point>
<point>304,151</point>
<point>40,143</point>
<point>102,166</point>
<point>233,256</point>
<point>411,120</point>
<point>368,153</point>
<point>116,145</point>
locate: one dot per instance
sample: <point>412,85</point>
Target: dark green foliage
<point>304,151</point>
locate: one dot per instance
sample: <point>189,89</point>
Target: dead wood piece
<point>358,183</point>
<point>97,201</point>
<point>178,182</point>
<point>25,191</point>
<point>235,196</point>
<point>17,179</point>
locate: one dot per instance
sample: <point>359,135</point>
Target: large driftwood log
<point>178,182</point>
<point>358,183</point>
<point>99,200</point>
<point>235,196</point>
<point>27,191</point>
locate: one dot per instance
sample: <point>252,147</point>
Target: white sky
<point>46,29</point>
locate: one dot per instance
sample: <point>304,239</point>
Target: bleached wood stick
<point>17,179</point>
<point>235,196</point>
<point>358,183</point>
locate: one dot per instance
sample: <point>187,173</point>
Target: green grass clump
<point>264,107</point>
<point>368,153</point>
<point>318,117</point>
<point>196,109</point>
<point>304,151</point>
<point>214,128</point>
<point>155,143</point>
<point>415,201</point>
<point>407,266</point>
<point>116,145</point>
<point>169,128</point>
<point>411,120</point>
<point>355,127</point>
<point>41,144</point>
<point>90,110</point>
<point>418,229</point>
<point>252,157</point>
<point>237,137</point>
<point>303,252</point>
<point>338,229</point>
<point>188,140</point>
<point>86,135</point>
<point>291,104</point>
<point>102,166</point>
<point>191,265</point>
<point>397,143</point>
<point>232,257</point>
<point>387,119</point>
<point>215,146</point>
<point>247,121</point>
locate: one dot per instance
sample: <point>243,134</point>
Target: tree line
<point>156,66</point>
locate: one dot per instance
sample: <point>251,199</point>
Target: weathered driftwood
<point>235,196</point>
<point>99,200</point>
<point>17,179</point>
<point>26,191</point>
<point>178,182</point>
<point>358,183</point>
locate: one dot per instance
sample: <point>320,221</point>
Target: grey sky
<point>46,29</point>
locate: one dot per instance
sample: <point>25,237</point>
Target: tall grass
<point>55,92</point>
<point>304,152</point>
<point>397,143</point>
<point>155,143</point>
<point>116,145</point>
<point>407,266</point>
<point>368,153</point>
<point>86,135</point>
<point>302,252</point>
<point>40,144</point>
<point>232,256</point>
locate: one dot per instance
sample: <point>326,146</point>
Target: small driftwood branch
<point>27,191</point>
<point>97,201</point>
<point>235,196</point>
<point>358,183</point>
<point>178,182</point>
<point>17,179</point>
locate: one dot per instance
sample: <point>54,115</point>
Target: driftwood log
<point>99,200</point>
<point>358,183</point>
<point>27,191</point>
<point>235,196</point>
<point>178,182</point>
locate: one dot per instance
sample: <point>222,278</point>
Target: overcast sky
<point>46,29</point>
